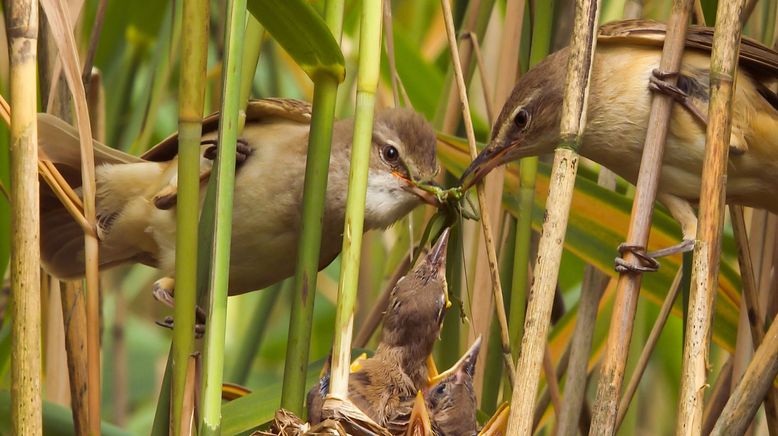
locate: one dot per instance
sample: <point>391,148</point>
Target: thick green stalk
<point>325,94</point>
<point>367,83</point>
<point>251,51</point>
<point>213,355</point>
<point>316,171</point>
<point>194,53</point>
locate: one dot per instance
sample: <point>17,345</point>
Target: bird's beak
<point>498,423</point>
<point>426,195</point>
<point>419,422</point>
<point>465,365</point>
<point>436,258</point>
<point>436,261</point>
<point>494,155</point>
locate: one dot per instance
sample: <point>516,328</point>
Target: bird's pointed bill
<point>419,423</point>
<point>498,423</point>
<point>436,259</point>
<point>494,155</point>
<point>465,365</point>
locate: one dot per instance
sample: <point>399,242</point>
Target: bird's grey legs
<point>162,290</point>
<point>683,212</point>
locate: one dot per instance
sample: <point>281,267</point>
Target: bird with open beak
<point>384,385</point>
<point>136,197</point>
<point>624,75</point>
<point>451,399</point>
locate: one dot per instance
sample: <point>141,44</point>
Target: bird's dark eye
<point>521,120</point>
<point>441,389</point>
<point>390,154</point>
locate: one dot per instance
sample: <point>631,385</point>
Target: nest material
<point>342,418</point>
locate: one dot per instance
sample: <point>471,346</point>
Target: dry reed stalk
<point>74,316</point>
<point>22,29</point>
<point>750,302</point>
<point>718,397</point>
<point>648,348</point>
<point>482,202</point>
<point>550,248</point>
<point>452,112</point>
<point>62,34</point>
<point>746,398</point>
<point>592,288</point>
<point>492,187</point>
<point>628,287</point>
<point>56,387</point>
<point>707,247</point>
<point>479,59</point>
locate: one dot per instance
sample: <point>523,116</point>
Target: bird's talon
<point>645,262</point>
<point>242,150</point>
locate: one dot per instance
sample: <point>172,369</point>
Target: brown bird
<point>451,398</point>
<point>623,77</point>
<point>136,196</point>
<point>385,384</point>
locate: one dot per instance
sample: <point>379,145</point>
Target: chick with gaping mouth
<point>384,385</point>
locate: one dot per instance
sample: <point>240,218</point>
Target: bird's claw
<point>657,82</point>
<point>167,322</point>
<point>647,261</point>
<point>162,290</point>
<point>242,151</point>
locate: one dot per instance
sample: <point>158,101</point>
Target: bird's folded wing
<point>759,59</point>
<point>257,110</point>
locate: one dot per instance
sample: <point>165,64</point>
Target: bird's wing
<point>257,110</point>
<point>759,59</point>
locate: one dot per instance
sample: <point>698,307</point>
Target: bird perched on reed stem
<point>136,196</point>
<point>624,74</point>
<point>384,386</point>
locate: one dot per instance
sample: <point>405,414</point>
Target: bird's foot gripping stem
<point>658,83</point>
<point>167,197</point>
<point>162,290</point>
<point>646,262</point>
<point>243,150</point>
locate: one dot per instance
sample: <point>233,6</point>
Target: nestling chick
<point>451,398</point>
<point>136,196</point>
<point>386,383</point>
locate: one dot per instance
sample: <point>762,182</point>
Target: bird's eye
<point>390,154</point>
<point>441,389</point>
<point>521,120</point>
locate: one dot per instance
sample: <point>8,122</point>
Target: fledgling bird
<point>136,196</point>
<point>384,386</point>
<point>451,397</point>
<point>624,74</point>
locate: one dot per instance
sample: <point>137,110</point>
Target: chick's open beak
<point>465,365</point>
<point>494,155</point>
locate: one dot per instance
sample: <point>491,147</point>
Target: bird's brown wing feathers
<point>285,108</point>
<point>759,59</point>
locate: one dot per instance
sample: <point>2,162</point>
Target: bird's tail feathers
<point>62,239</point>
